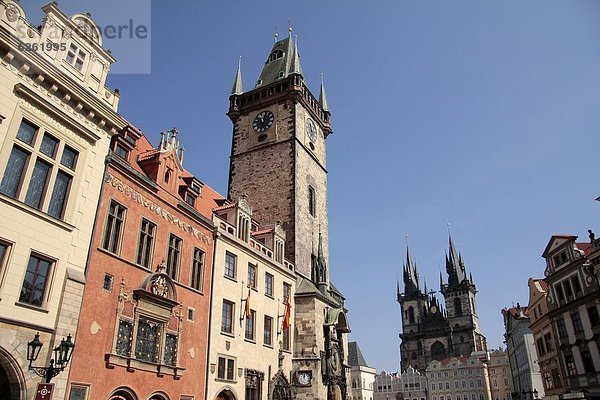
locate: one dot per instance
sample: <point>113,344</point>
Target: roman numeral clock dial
<point>263,121</point>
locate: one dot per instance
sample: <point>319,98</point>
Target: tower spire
<point>237,88</point>
<point>323,96</point>
<point>411,276</point>
<point>295,67</point>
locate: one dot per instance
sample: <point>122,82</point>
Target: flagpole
<point>278,316</point>
<point>242,316</point>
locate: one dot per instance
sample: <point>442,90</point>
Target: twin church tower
<point>435,331</point>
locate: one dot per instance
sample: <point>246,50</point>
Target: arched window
<point>457,306</point>
<point>438,351</point>
<point>168,175</point>
<point>411,315</point>
<point>123,394</point>
<point>277,54</point>
<point>353,383</point>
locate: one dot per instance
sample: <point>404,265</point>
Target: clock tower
<point>278,152</point>
<point>278,161</point>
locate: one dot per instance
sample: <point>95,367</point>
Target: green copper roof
<point>282,61</point>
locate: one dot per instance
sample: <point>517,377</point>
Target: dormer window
<point>121,151</point>
<point>560,258</point>
<point>281,74</point>
<point>190,199</point>
<point>168,173</point>
<point>75,57</point>
<point>277,54</point>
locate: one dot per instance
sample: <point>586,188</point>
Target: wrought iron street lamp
<point>62,356</point>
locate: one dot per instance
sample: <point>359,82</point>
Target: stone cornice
<point>62,80</point>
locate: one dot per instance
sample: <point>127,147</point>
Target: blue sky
<point>484,114</point>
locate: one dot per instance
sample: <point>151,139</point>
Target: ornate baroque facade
<point>143,331</point>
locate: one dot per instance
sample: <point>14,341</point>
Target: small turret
<point>237,87</point>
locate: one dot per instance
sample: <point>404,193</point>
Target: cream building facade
<point>459,378</point>
<point>544,339</point>
<point>56,120</point>
<point>409,385</point>
<point>250,355</point>
<point>500,379</point>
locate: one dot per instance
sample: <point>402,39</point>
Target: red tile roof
<point>224,207</point>
<point>262,232</point>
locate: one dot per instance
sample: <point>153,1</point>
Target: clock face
<point>304,378</point>
<point>311,130</point>
<point>263,121</point>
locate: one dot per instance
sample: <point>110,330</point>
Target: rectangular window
<point>556,378</point>
<point>78,392</point>
<point>114,227</point>
<point>173,256</point>
<point>576,320</point>
<point>268,331</point>
<point>37,184</point>
<point>107,283</point>
<point>36,279</point>
<point>547,380</point>
<point>559,293</point>
<point>4,249</point>
<point>225,368</point>
<point>121,151</point>
<point>227,317</point>
<point>567,288</point>
<point>191,200</point>
<point>588,363</point>
<point>251,276</point>
<point>312,201</point>
<point>540,347</point>
<point>146,243</point>
<point>197,270</point>
<point>268,284</point>
<point>576,284</point>
<point>75,57</point>
<point>124,335</point>
<point>593,315</point>
<point>287,292</point>
<point>548,342</point>
<point>147,342</point>
<point>48,178</point>
<point>170,356</point>
<point>230,263</point>
<point>562,328</point>
<point>250,325</point>
<point>13,175</point>
<point>570,361</point>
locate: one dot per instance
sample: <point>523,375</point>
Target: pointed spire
<point>441,281</point>
<point>237,88</point>
<point>323,96</point>
<point>471,278</point>
<point>295,67</point>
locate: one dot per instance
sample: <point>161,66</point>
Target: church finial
<point>275,35</point>
<point>237,87</point>
<point>290,27</point>
<point>323,96</point>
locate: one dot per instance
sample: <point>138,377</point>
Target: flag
<point>247,311</point>
<point>286,316</point>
